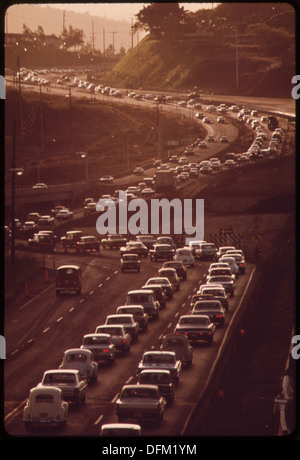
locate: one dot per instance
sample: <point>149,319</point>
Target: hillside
<point>208,64</point>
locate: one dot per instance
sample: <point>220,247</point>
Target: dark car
<point>178,343</point>
<point>134,247</point>
<point>164,283</point>
<point>196,328</point>
<point>41,242</point>
<point>181,269</point>
<point>159,294</point>
<point>161,252</point>
<point>130,262</point>
<point>138,312</point>
<point>161,378</point>
<point>212,308</point>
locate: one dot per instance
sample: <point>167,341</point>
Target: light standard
<point>85,155</point>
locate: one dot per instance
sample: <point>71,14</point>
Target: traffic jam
<point>149,394</point>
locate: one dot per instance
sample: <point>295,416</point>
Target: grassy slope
<point>208,64</point>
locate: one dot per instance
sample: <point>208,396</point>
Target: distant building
<point>15,39</point>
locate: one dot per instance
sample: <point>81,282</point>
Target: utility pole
<point>71,126</point>
<point>113,34</point>
<point>64,19</point>
<point>103,41</point>
<point>93,37</point>
<point>42,134</point>
<point>132,33</point>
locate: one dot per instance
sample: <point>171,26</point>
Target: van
<point>68,279</point>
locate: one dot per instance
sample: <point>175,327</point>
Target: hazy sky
<point>118,11</point>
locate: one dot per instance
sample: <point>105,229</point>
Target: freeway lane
<point>51,325</point>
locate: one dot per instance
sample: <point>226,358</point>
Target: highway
<point>38,332</point>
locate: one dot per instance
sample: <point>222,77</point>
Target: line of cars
<point>158,371</point>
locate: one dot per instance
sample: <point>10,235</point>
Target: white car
<point>231,262</point>
<point>40,185</point>
<point>185,255</point>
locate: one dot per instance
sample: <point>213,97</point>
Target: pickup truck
<point>161,252</point>
<point>158,359</point>
<point>73,386</point>
<point>140,402</point>
<point>87,243</point>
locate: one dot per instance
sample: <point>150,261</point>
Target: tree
<point>162,20</point>
<point>72,38</point>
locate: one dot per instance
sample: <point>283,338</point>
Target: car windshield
<point>194,320</point>
<point>118,319</point>
<point>139,393</point>
<point>44,398</point>
<point>155,378</point>
<point>138,298</point>
<point>79,357</point>
<point>112,330</point>
<point>96,341</point>
<point>59,378</point>
<point>159,358</point>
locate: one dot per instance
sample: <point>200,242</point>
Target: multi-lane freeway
<point>39,331</point>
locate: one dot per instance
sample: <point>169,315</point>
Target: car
<point>69,240</point>
<point>181,269</point>
<point>221,120</point>
<point>113,241</point>
<point>83,361</point>
<point>166,240</point>
<point>55,210</point>
<point>106,179</point>
<point>206,120</point>
<point>185,256</point>
<point>40,185</point>
<point>217,291</point>
<point>224,139</point>
<point>88,243</point>
<point>231,262</point>
<point>216,165</point>
<point>221,271</point>
<point>239,259</point>
<point>161,252</point>
<point>196,328</point>
<point>161,378</point>
<point>205,169</point>
<point>134,247</point>
<point>226,281</point>
<point>102,347</point>
<point>45,407</point>
<point>222,250</point>
<point>41,242</point>
<point>130,262</point>
<point>196,297</point>
<point>206,251</point>
<point>164,282</point>
<point>210,138</point>
<point>73,387</point>
<point>193,245</point>
<point>159,294</point>
<point>147,240</point>
<point>171,274</point>
<point>211,308</point>
<point>112,430</point>
<point>160,359</point>
<point>147,192</point>
<point>68,279</point>
<point>33,216</point>
<point>64,214</point>
<point>140,402</point>
<point>138,312</point>
<point>90,208</point>
<point>145,298</point>
<point>230,164</point>
<point>45,222</point>
<point>120,338</point>
<point>138,171</point>
<point>128,322</point>
<point>29,227</point>
<point>181,347</point>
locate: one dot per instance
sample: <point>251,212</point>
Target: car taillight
<point>124,341</point>
<point>219,316</point>
<point>105,350</point>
